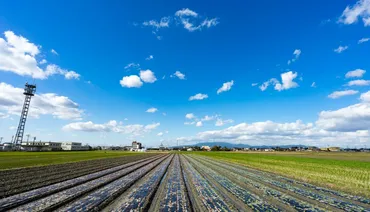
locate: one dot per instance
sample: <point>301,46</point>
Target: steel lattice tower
<point>29,91</point>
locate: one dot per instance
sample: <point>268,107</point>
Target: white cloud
<point>254,84</point>
<point>43,61</point>
<point>360,10</point>
<point>54,52</point>
<point>190,116</point>
<point>152,110</point>
<point>225,87</point>
<point>363,40</point>
<point>287,82</point>
<point>189,18</point>
<point>132,81</point>
<point>190,123</point>
<point>132,65</point>
<point>147,76</point>
<point>348,126</point>
<point>165,114</point>
<point>186,12</point>
<point>61,107</point>
<point>198,96</point>
<point>152,126</point>
<point>313,85</point>
<point>359,83</point>
<point>296,54</point>
<point>199,124</point>
<point>365,97</point>
<point>53,69</point>
<point>111,126</point>
<point>338,94</point>
<point>208,118</point>
<point>340,49</point>
<point>160,134</point>
<point>179,75</point>
<point>3,115</point>
<point>351,118</point>
<point>355,73</point>
<point>221,122</point>
<point>150,57</point>
<point>19,56</point>
<point>163,23</point>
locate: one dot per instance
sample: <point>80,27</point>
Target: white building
<point>73,146</point>
<point>41,146</point>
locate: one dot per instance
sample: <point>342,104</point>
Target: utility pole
<point>28,137</point>
<point>1,140</point>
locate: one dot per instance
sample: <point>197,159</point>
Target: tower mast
<point>29,91</point>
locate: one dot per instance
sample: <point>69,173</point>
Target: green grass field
<point>349,172</point>
<point>24,159</point>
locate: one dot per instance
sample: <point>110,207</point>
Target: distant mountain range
<point>231,145</point>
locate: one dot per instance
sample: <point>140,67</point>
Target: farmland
<point>23,159</point>
<point>349,172</point>
<point>175,182</point>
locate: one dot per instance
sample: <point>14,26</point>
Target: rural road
<point>176,182</point>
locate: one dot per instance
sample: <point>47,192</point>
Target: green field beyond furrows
<point>25,159</point>
<point>348,172</point>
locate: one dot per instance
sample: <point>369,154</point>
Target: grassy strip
<point>352,176</point>
<point>10,160</point>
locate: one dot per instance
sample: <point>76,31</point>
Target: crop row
<point>266,182</point>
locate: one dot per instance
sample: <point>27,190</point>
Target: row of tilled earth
<point>14,181</point>
<point>176,182</point>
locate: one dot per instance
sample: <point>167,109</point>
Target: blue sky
<point>312,55</point>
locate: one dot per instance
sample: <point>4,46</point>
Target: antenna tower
<point>29,91</point>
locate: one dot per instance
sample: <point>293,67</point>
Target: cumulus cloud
<point>43,61</point>
<point>352,118</point>
<point>54,69</point>
<point>313,85</point>
<point>199,124</point>
<point>152,110</point>
<point>111,126</point>
<point>359,83</point>
<point>160,134</point>
<point>225,87</point>
<point>147,76</point>
<point>61,107</point>
<point>190,116</point>
<point>179,75</point>
<point>344,126</point>
<point>132,81</point>
<point>355,73</point>
<point>198,96</point>
<point>340,49</point>
<point>360,10</point>
<point>363,40</point>
<point>19,55</point>
<point>286,84</point>
<point>365,97</point>
<point>338,94</point>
